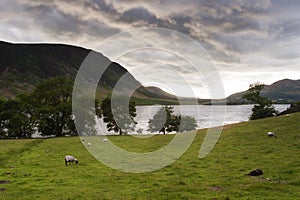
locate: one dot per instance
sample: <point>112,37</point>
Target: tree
<point>16,118</point>
<point>263,106</point>
<point>161,120</point>
<point>165,121</point>
<point>187,123</point>
<point>47,110</point>
<point>52,100</point>
<point>85,114</point>
<point>119,117</point>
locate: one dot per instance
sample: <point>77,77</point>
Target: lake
<point>206,115</point>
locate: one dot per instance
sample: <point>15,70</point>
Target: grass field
<point>35,169</point>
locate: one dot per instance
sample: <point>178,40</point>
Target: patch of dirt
<point>2,189</point>
<point>4,181</point>
<point>215,188</point>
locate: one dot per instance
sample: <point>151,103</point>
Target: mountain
<point>23,66</point>
<point>283,91</point>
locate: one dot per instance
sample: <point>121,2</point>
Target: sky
<point>239,41</point>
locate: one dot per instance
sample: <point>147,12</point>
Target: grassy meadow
<point>35,168</point>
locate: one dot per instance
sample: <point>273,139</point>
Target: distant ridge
<point>283,91</point>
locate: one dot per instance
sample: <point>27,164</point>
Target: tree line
<point>47,111</point>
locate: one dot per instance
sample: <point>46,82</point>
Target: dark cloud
<point>137,14</point>
<point>235,33</point>
<point>107,7</point>
<point>216,24</point>
<point>180,22</point>
<point>101,6</point>
<point>140,16</point>
<point>54,20</point>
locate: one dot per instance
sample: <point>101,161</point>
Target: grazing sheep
<point>271,134</point>
<point>89,144</point>
<point>70,159</point>
<point>256,172</point>
<point>104,140</point>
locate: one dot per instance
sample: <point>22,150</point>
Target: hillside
<point>283,91</point>
<point>23,66</point>
<point>35,168</point>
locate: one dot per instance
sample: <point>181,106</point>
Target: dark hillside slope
<point>283,90</point>
<point>22,66</point>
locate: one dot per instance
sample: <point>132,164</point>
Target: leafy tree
<point>119,117</point>
<point>187,123</point>
<point>47,110</point>
<point>84,115</point>
<point>52,99</point>
<point>16,118</point>
<point>263,106</point>
<point>161,120</point>
<point>165,121</point>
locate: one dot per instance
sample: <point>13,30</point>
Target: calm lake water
<point>206,115</point>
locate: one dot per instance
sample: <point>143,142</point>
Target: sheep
<point>89,144</point>
<point>70,159</point>
<point>104,140</point>
<point>271,134</point>
<point>256,172</point>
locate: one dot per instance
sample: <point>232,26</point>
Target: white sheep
<point>104,140</point>
<point>89,144</point>
<point>271,134</point>
<point>70,159</point>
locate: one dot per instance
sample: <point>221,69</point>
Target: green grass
<point>35,168</point>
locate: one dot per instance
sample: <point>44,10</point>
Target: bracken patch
<point>4,181</point>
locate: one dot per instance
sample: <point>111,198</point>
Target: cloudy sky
<point>246,40</point>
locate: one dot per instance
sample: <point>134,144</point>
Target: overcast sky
<point>247,40</point>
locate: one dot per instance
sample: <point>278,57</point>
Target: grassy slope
<point>35,168</point>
